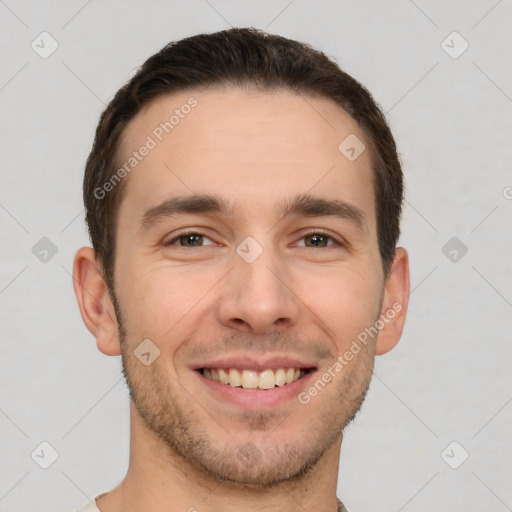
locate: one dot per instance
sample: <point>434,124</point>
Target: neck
<point>158,479</point>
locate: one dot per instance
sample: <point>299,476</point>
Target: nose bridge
<point>256,295</point>
<point>259,275</point>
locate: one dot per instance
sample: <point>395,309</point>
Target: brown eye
<point>317,240</point>
<point>193,240</point>
<point>190,240</point>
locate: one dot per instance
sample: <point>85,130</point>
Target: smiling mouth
<point>252,379</point>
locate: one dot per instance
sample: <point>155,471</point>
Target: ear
<point>94,301</point>
<point>394,303</point>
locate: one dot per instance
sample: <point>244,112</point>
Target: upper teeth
<point>251,379</point>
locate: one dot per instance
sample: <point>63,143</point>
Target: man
<point>243,198</point>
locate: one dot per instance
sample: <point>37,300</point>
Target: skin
<point>188,448</point>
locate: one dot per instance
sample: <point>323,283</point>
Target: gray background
<point>448,379</point>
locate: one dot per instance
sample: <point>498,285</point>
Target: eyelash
<point>305,235</point>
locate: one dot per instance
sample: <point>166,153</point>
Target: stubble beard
<point>155,394</point>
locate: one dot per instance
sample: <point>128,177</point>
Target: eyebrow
<point>186,204</point>
<point>303,205</point>
<point>307,205</point>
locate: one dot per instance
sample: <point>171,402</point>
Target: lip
<point>254,399</point>
<point>257,364</point>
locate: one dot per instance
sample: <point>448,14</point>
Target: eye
<point>191,239</point>
<point>318,239</point>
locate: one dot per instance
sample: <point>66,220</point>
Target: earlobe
<point>394,304</point>
<point>94,301</point>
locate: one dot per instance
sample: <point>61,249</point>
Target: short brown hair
<point>243,57</point>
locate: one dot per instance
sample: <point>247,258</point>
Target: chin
<point>253,469</point>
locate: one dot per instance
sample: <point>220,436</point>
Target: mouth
<point>254,387</point>
<point>252,379</point>
<point>254,382</point>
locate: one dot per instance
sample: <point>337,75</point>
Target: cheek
<point>160,301</point>
<point>346,301</point>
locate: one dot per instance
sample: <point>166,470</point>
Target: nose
<point>258,297</point>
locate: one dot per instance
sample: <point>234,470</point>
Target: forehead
<point>254,147</point>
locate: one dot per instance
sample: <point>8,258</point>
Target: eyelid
<point>319,231</point>
<point>337,240</point>
<point>188,231</point>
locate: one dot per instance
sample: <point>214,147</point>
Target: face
<point>247,254</point>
